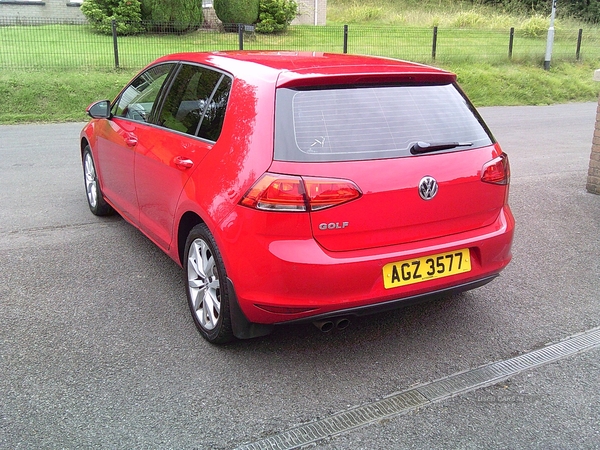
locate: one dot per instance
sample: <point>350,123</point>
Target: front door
<point>118,141</point>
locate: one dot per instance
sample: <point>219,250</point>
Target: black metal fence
<point>40,44</point>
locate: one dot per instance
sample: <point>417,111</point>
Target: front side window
<point>362,123</point>
<point>189,106</point>
<point>138,99</point>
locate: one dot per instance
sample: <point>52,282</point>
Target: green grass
<point>55,96</point>
<point>442,13</point>
<point>59,96</point>
<point>75,46</point>
<point>511,84</point>
<point>50,73</point>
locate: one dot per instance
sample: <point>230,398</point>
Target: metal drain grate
<point>435,391</point>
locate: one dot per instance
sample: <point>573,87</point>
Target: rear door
<point>187,125</point>
<point>381,138</point>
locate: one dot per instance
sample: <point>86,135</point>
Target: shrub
<point>101,13</point>
<point>535,27</point>
<point>276,15</point>
<point>588,10</point>
<point>236,11</point>
<point>178,15</point>
<point>364,13</point>
<point>468,19</point>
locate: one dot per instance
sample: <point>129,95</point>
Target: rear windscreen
<point>362,123</point>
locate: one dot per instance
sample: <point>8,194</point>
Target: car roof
<point>295,68</point>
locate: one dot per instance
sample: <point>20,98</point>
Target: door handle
<point>183,163</point>
<point>131,141</point>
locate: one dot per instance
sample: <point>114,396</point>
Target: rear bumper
<point>244,329</point>
<point>295,280</point>
<point>397,303</point>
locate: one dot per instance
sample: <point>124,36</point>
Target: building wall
<point>69,9</point>
<point>306,10</point>
<point>593,179</point>
<point>45,9</point>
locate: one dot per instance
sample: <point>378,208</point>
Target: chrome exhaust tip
<point>324,326</point>
<point>342,323</point>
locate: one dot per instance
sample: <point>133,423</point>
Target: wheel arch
<point>83,144</point>
<point>242,328</point>
<point>188,221</point>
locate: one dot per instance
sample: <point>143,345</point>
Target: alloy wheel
<point>204,285</point>
<point>91,182</point>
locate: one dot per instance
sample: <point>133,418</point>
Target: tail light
<point>273,192</point>
<point>276,193</point>
<point>496,171</point>
<point>323,193</point>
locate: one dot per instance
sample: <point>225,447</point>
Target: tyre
<point>95,199</point>
<point>206,286</point>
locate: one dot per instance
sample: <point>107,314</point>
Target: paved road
<point>97,348</point>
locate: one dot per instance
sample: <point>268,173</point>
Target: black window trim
<point>23,2</point>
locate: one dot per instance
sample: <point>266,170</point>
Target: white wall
<point>306,10</point>
<point>46,9</point>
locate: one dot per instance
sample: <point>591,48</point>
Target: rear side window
<point>362,123</point>
<point>196,102</point>
<point>214,113</point>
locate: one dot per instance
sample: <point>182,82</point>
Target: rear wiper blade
<point>426,147</point>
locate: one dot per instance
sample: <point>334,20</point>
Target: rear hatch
<point>415,152</point>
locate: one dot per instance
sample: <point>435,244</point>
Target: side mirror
<point>99,110</point>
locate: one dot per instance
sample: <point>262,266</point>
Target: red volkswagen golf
<point>302,187</point>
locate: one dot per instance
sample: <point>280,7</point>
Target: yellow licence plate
<point>426,268</point>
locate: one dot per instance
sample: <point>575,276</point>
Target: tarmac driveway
<point>97,348</point>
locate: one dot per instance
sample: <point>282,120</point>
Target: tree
<point>179,15</point>
<point>276,15</point>
<point>586,9</point>
<point>236,11</point>
<point>125,13</point>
